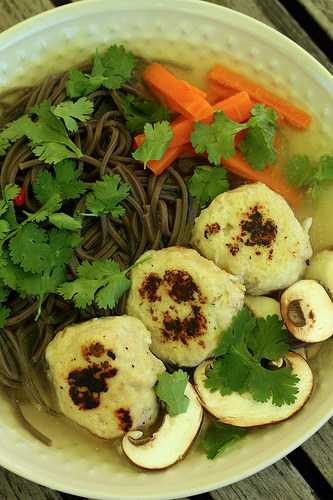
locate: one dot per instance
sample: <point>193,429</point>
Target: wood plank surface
<point>322,12</point>
<point>14,11</point>
<point>281,481</point>
<point>320,449</point>
<point>278,482</point>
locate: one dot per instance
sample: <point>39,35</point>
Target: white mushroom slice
<point>242,410</point>
<point>307,311</point>
<point>321,270</point>
<point>170,443</point>
<point>262,306</point>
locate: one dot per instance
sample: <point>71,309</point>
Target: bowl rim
<point>71,11</point>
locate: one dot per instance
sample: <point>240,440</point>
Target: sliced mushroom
<point>262,306</point>
<point>321,270</point>
<point>170,442</point>
<point>307,311</point>
<point>242,410</point>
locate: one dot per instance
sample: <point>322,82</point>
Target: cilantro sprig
<point>101,282</point>
<point>218,138</point>
<point>243,348</point>
<point>66,182</point>
<point>258,144</point>
<point>304,173</point>
<point>138,112</point>
<point>110,70</point>
<point>106,196</point>
<point>170,389</point>
<point>219,436</point>
<point>207,182</point>
<point>46,128</point>
<point>157,140</point>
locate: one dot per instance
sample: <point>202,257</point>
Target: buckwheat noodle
<point>158,214</point>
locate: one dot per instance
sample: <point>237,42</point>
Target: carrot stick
<point>176,92</point>
<point>237,108</point>
<point>188,151</point>
<point>272,176</point>
<point>217,92</point>
<point>293,114</point>
<point>171,154</point>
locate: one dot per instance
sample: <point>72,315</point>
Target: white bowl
<point>184,30</point>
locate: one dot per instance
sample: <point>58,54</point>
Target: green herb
<point>65,183</point>
<point>102,282</point>
<point>64,221</point>
<point>207,182</point>
<point>4,292</point>
<point>72,112</point>
<point>258,143</point>
<point>52,205</point>
<point>138,112</point>
<point>218,436</point>
<point>170,388</point>
<point>244,346</point>
<point>303,173</point>
<point>110,70</point>
<point>4,314</point>
<point>106,196</point>
<point>218,139</point>
<point>157,140</point>
<point>47,132</point>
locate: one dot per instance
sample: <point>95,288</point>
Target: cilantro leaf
<point>101,281</point>
<point>157,140</point>
<point>29,284</point>
<point>258,143</point>
<point>66,182</point>
<point>207,182</point>
<point>29,248</point>
<point>218,139</point>
<point>10,192</point>
<point>4,292</point>
<point>138,112</point>
<point>304,173</point>
<point>72,112</point>
<point>106,196</point>
<point>111,70</point>
<point>170,388</point>
<point>12,132</point>
<point>64,221</point>
<point>4,314</point>
<point>4,228</point>
<point>218,436</point>
<point>242,349</point>
<point>61,244</point>
<point>50,206</point>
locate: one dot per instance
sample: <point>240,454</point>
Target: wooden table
<point>307,473</point>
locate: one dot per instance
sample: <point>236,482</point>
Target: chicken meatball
<point>185,301</point>
<point>104,374</point>
<point>253,233</point>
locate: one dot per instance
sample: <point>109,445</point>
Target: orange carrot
<point>176,92</point>
<point>293,114</point>
<point>188,151</point>
<point>171,154</point>
<point>216,92</point>
<point>273,177</point>
<point>237,108</point>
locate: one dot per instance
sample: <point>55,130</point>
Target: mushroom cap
<point>307,311</point>
<point>321,270</point>
<point>252,232</point>
<point>262,306</point>
<point>185,301</point>
<point>170,442</point>
<point>242,410</point>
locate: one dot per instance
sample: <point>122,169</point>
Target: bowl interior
<point>196,35</point>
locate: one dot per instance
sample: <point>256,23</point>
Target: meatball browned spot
<point>185,301</point>
<point>258,239</point>
<point>104,374</point>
